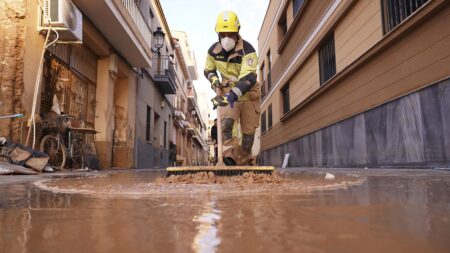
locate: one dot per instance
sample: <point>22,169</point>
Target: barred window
<point>264,82</point>
<point>327,60</point>
<point>263,122</point>
<point>282,24</point>
<point>297,4</point>
<point>269,116</point>
<point>395,11</point>
<point>285,98</point>
<point>269,69</point>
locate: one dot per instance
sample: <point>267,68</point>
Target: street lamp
<point>159,38</point>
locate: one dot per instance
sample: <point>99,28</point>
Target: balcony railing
<point>179,114</point>
<point>192,94</point>
<point>139,20</point>
<point>164,74</point>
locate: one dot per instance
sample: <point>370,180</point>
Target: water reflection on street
<point>388,211</point>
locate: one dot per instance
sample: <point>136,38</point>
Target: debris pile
<point>18,159</point>
<point>211,178</point>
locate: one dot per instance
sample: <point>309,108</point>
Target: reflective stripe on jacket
<point>238,66</point>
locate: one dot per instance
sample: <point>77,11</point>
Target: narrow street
<point>224,126</point>
<point>128,211</point>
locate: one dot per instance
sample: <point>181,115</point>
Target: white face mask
<point>227,43</point>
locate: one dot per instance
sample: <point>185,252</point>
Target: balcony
<point>179,115</point>
<point>164,74</point>
<point>192,95</point>
<point>123,25</point>
<point>199,140</point>
<point>185,123</point>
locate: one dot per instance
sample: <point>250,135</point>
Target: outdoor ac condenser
<point>65,18</point>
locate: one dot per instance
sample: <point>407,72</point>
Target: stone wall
<point>12,35</point>
<point>412,131</point>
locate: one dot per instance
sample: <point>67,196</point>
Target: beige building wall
<point>33,52</point>
<point>20,52</point>
<point>305,82</point>
<point>104,111</point>
<point>294,57</point>
<point>358,31</point>
<point>372,68</point>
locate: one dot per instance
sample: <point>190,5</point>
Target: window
<point>264,83</point>
<point>327,60</point>
<point>285,98</point>
<point>157,130</point>
<point>269,69</point>
<point>263,122</point>
<point>297,5</point>
<point>282,24</point>
<point>151,13</point>
<point>269,112</point>
<point>165,134</point>
<point>150,18</point>
<point>148,124</point>
<point>395,11</point>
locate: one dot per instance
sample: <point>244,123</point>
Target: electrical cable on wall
<point>39,74</point>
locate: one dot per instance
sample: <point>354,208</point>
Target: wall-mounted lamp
<point>159,38</point>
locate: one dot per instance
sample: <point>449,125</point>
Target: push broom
<point>220,169</point>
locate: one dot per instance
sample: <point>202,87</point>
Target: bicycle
<point>64,143</point>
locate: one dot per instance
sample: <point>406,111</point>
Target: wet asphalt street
<point>126,211</point>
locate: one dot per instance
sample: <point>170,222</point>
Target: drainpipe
<point>138,76</point>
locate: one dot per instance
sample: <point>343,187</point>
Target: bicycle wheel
<point>56,150</point>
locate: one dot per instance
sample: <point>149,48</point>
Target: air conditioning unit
<point>65,18</point>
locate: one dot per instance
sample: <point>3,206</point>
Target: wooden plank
<point>37,164</point>
<point>18,155</point>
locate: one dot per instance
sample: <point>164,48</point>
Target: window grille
<point>395,11</point>
<point>327,60</point>
<point>285,98</point>
<point>263,122</point>
<point>269,116</point>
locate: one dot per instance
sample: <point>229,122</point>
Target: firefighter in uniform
<point>238,92</point>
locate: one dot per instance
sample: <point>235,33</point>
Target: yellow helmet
<point>227,21</point>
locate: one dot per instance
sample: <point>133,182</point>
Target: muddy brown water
<point>299,211</point>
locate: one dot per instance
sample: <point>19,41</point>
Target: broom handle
<point>219,138</point>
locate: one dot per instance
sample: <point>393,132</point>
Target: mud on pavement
<point>197,184</point>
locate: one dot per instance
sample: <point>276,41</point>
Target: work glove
<point>219,101</point>
<point>215,84</point>
<point>231,98</point>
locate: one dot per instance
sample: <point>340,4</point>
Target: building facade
<point>107,70</point>
<point>355,83</point>
<point>189,126</point>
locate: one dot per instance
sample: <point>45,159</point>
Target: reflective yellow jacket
<point>237,66</point>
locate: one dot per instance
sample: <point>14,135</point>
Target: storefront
<point>69,83</point>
